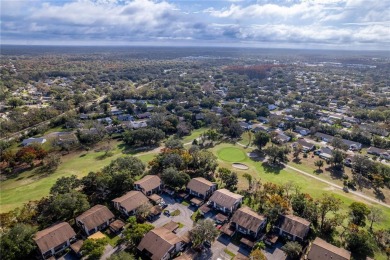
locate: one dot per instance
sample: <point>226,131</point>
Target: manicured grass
<point>231,154</point>
<point>112,238</point>
<point>180,225</point>
<point>280,176</point>
<point>175,213</point>
<point>231,254</point>
<point>247,138</point>
<point>185,203</point>
<point>32,185</point>
<point>194,134</point>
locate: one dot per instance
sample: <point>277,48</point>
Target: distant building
<point>31,140</point>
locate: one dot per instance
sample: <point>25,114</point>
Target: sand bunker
<point>240,166</point>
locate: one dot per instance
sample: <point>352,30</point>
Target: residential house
<point>321,250</point>
<point>375,151</point>
<point>353,146</point>
<point>281,138</point>
<point>144,115</point>
<point>107,120</point>
<point>115,111</point>
<point>225,201</point>
<point>95,219</point>
<point>272,107</point>
<point>201,188</point>
<point>31,140</point>
<point>128,203</point>
<point>293,227</point>
<point>149,185</point>
<point>54,239</point>
<point>160,244</point>
<point>137,124</point>
<point>306,146</point>
<point>199,116</point>
<point>324,137</point>
<point>325,153</point>
<point>245,125</point>
<point>262,119</point>
<point>125,117</point>
<point>68,138</point>
<point>248,222</point>
<point>302,131</point>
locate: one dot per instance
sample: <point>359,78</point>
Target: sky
<point>329,24</point>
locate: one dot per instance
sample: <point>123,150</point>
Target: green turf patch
<point>231,154</point>
<point>185,203</point>
<point>231,254</point>
<point>175,213</point>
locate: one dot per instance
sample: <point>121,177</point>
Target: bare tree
<point>375,215</point>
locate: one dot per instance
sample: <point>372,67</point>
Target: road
<point>23,131</point>
<point>358,194</point>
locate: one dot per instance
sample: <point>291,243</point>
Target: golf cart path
<point>358,194</point>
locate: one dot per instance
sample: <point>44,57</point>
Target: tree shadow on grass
<point>104,156</point>
<point>272,168</point>
<point>379,195</point>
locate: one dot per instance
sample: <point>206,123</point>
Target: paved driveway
<point>184,217</point>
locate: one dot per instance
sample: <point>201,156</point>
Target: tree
<point>338,143</point>
<point>248,115</point>
<point>174,143</point>
<point>204,230</point>
<point>361,244</point>
<point>52,161</point>
<point>122,255</point>
<point>319,164</point>
<point>277,153</point>
<point>293,249</point>
<point>358,212</point>
<point>327,203</point>
<point>229,178</point>
<point>64,207</point>
<point>175,178</point>
<point>144,136</point>
<point>94,248</point>
<point>15,102</point>
<point>248,177</point>
<point>18,242</point>
<point>375,215</point>
<point>261,139</point>
<point>135,232</point>
<point>143,210</point>
<point>297,151</point>
<point>257,254</point>
<point>65,185</point>
<point>337,159</point>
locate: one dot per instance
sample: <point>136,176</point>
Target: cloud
<point>331,22</point>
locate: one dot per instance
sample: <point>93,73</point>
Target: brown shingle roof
<point>95,216</point>
<point>132,200</point>
<point>157,242</point>
<point>294,225</point>
<point>199,185</point>
<point>247,218</point>
<point>171,226</point>
<point>321,250</point>
<point>225,198</point>
<point>149,182</point>
<point>53,236</point>
<point>117,225</point>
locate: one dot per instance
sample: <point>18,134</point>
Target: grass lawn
<point>231,154</point>
<point>194,134</point>
<point>112,238</point>
<point>231,254</point>
<point>185,203</point>
<point>175,213</point>
<point>32,185</point>
<point>280,176</point>
<point>247,138</point>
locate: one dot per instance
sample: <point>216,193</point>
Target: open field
<point>194,134</point>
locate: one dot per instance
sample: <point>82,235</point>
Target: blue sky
<point>335,24</point>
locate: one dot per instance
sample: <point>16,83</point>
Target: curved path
<point>358,194</point>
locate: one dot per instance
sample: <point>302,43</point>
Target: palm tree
<point>319,164</point>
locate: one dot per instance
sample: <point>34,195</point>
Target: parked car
<point>167,213</point>
<point>207,244</point>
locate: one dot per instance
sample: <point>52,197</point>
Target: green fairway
<point>194,134</point>
<point>280,176</point>
<point>231,154</point>
<point>32,185</point>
